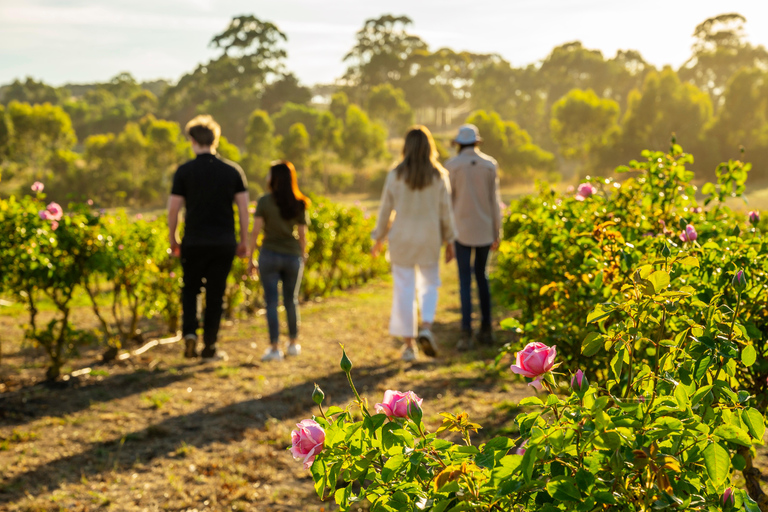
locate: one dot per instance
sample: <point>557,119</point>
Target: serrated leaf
<point>591,344</point>
<point>733,434</point>
<point>754,422</point>
<point>748,355</point>
<point>717,462</point>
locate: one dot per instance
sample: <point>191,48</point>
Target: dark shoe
<point>190,345</point>
<point>486,337</point>
<point>427,342</point>
<point>211,354</point>
<point>466,342</point>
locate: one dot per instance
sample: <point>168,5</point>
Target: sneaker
<point>211,354</point>
<point>486,337</point>
<point>272,354</point>
<point>466,342</point>
<point>427,342</point>
<point>293,349</point>
<point>190,345</point>
<point>409,354</point>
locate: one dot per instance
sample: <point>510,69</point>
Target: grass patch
<point>157,399</point>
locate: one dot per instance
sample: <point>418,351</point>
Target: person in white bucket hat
<point>475,196</point>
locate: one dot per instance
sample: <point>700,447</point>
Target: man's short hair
<point>204,130</point>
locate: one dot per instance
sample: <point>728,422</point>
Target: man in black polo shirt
<point>207,186</point>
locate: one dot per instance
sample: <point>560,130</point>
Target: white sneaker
<point>293,349</point>
<point>272,354</point>
<point>410,354</point>
<point>427,342</point>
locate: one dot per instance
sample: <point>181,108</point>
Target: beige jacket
<point>422,221</point>
<point>475,194</point>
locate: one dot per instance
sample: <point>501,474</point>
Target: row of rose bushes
<point>642,323</point>
<point>123,265</point>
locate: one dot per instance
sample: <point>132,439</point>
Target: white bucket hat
<point>468,134</point>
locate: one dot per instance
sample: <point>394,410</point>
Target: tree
<point>362,140</point>
<point>517,155</point>
<point>327,140</point>
<point>719,50</point>
<point>6,135</point>
<point>291,114</point>
<point>387,104</point>
<point>339,104</point>
<point>33,92</point>
<point>295,146</point>
<point>665,106</point>
<point>260,145</point>
<point>581,122</point>
<point>382,52</point>
<point>285,89</point>
<point>230,84</point>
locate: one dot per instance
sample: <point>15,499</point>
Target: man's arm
<point>241,199</point>
<point>175,204</point>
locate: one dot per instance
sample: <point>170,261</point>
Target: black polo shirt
<point>208,185</point>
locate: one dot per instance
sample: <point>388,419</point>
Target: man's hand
<point>253,268</point>
<point>449,252</point>
<point>242,250</point>
<point>377,248</point>
<point>495,245</point>
<point>175,248</point>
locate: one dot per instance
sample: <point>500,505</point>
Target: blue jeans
<point>273,268</point>
<point>463,259</point>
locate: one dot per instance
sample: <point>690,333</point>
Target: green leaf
<point>598,314</point>
<point>659,280</point>
<point>392,466</point>
<point>563,488</point>
<point>733,434</point>
<point>511,324</point>
<point>748,355</point>
<point>717,462</point>
<point>699,394</point>
<point>531,400</point>
<point>754,422</point>
<point>529,459</point>
<point>689,261</point>
<point>591,344</point>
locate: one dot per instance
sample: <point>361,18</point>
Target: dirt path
<point>160,433</point>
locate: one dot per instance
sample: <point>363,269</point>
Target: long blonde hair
<point>419,165</point>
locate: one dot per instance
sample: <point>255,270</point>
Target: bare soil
<point>159,432</point>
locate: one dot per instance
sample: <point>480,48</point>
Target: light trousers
<point>415,288</point>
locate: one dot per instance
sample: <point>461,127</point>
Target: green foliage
<point>581,122</point>
<point>518,157</point>
<point>387,104</point>
<point>361,139</point>
<point>295,146</point>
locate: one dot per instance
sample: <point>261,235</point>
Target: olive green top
<point>279,233</point>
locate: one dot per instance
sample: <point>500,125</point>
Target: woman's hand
<point>449,252</point>
<point>377,248</point>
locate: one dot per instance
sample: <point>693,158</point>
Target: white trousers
<point>410,284</point>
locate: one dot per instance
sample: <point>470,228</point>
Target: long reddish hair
<point>285,189</point>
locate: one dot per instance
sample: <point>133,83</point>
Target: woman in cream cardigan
<point>415,214</point>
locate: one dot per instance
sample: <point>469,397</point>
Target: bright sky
<point>78,41</point>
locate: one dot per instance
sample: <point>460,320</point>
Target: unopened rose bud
<point>318,395</point>
<point>754,217</point>
<point>665,251</point>
<point>579,382</point>
<point>414,412</point>
<point>729,500</point>
<point>739,282</point>
<point>346,364</point>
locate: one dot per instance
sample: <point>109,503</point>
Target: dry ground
<point>158,432</point>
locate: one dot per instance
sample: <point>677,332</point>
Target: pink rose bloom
<point>729,499</point>
<point>54,211</point>
<point>44,215</point>
<point>139,216</point>
<point>173,274</point>
<point>307,441</point>
<point>90,202</point>
<point>54,225</point>
<point>37,187</point>
<point>395,403</point>
<point>521,449</point>
<point>534,361</point>
<point>584,191</point>
<point>689,235</point>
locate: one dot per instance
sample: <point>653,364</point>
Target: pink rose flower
<point>534,361</point>
<point>37,187</point>
<point>521,449</point>
<point>689,235</point>
<point>307,441</point>
<point>54,211</point>
<point>584,191</point>
<point>54,225</point>
<point>90,202</point>
<point>44,215</point>
<point>139,216</point>
<point>395,403</point>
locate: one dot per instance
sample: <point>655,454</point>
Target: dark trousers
<point>209,263</point>
<point>273,268</point>
<point>463,259</point>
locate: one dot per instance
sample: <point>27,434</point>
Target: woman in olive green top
<point>282,253</point>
